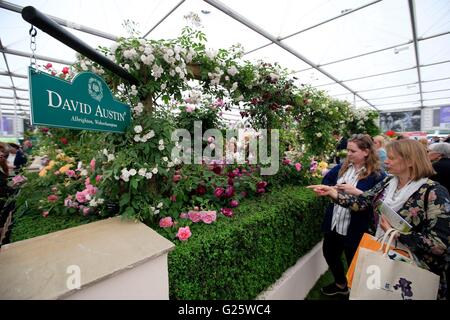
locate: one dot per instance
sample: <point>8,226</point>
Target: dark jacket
<point>442,168</point>
<point>360,221</point>
<point>19,161</point>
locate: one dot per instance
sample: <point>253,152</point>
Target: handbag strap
<point>393,233</point>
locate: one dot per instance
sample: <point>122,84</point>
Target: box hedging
<point>240,257</point>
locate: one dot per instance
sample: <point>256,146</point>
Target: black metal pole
<point>41,21</point>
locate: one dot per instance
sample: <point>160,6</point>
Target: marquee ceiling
<point>384,54</point>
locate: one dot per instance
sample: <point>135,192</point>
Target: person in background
<point>341,144</point>
<point>424,141</point>
<point>379,143</point>
<point>5,190</point>
<point>439,154</point>
<point>422,202</point>
<point>343,228</point>
<point>20,159</point>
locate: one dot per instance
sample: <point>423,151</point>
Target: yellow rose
<point>43,172</point>
<point>50,165</point>
<point>63,169</point>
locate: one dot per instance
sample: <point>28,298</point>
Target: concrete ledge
<point>298,280</point>
<point>111,255</point>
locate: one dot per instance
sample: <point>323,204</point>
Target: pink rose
<point>227,212</point>
<point>208,217</point>
<point>166,222</point>
<point>90,189</point>
<point>176,178</point>
<point>173,198</point>
<point>211,139</point>
<point>189,108</point>
<point>183,215</point>
<point>52,198</point>
<point>87,181</point>
<point>48,65</point>
<point>18,180</point>
<point>86,211</point>
<point>45,214</point>
<point>298,166</point>
<point>195,216</point>
<point>81,197</point>
<point>98,178</point>
<point>92,164</point>
<point>65,70</point>
<point>286,161</point>
<point>70,173</point>
<point>184,233</point>
<point>260,190</point>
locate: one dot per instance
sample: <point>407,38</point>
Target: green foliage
<point>238,258</point>
<point>31,224</point>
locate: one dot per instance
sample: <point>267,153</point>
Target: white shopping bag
<point>377,277</point>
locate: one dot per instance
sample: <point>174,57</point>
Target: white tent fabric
<point>367,48</point>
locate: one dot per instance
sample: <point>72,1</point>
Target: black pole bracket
<point>41,21</point>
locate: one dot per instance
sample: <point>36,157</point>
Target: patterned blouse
<point>430,236</point>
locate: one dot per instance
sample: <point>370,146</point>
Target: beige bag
<point>377,277</point>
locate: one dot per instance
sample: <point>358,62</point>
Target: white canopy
<point>385,54</point>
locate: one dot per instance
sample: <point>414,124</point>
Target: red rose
<point>201,190</point>
<point>176,178</point>
<point>227,212</point>
<point>65,70</point>
<point>48,65</point>
<point>64,140</point>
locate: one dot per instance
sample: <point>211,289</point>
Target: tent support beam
<point>412,13</point>
<point>228,11</point>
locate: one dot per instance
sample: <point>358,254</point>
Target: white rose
<point>155,170</point>
<point>318,134</point>
<point>138,129</point>
<point>142,171</point>
<point>132,172</point>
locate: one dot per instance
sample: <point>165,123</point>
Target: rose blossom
<point>208,217</point>
<point>298,166</point>
<point>227,212</point>
<point>166,222</point>
<point>219,192</point>
<point>195,216</point>
<point>52,198</point>
<point>184,233</point>
<point>234,203</point>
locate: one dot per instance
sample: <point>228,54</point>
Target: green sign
<point>86,103</point>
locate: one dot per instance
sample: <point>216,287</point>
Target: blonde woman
<point>419,200</point>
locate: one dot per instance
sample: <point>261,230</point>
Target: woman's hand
<point>348,188</point>
<point>385,225</point>
<point>323,190</point>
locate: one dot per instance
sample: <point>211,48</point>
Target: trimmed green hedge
<point>31,225</point>
<point>240,257</point>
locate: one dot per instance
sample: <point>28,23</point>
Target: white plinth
<point>298,280</point>
<point>116,259</point>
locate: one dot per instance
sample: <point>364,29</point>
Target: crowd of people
<point>413,180</point>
